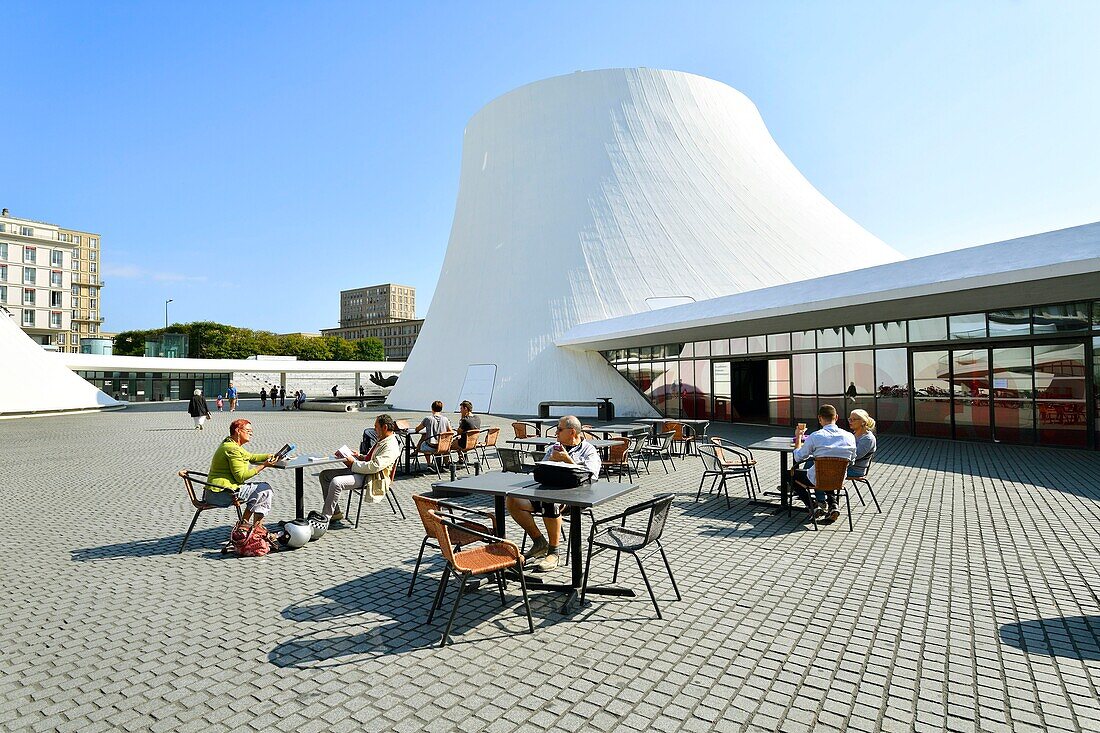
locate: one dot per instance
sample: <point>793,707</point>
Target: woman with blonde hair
<point>862,424</point>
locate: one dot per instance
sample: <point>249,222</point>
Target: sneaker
<point>539,548</point>
<point>832,514</point>
<point>550,562</point>
<point>819,513</point>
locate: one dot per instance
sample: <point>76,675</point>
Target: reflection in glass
<point>779,342</point>
<point>970,387</point>
<point>859,373</point>
<point>931,395</point>
<point>804,374</point>
<point>829,338</point>
<point>695,390</point>
<point>779,392</point>
<point>1060,394</point>
<point>720,347</point>
<point>968,326</point>
<point>1096,377</point>
<point>702,348</point>
<point>1010,322</point>
<point>1013,392</point>
<point>739,346</point>
<point>892,390</point>
<point>858,335</point>
<point>757,344</point>
<point>721,373</point>
<point>1059,318</point>
<point>803,341</point>
<point>890,332</point>
<point>928,329</point>
<point>682,351</point>
<point>830,372</point>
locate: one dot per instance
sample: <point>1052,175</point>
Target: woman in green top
<point>231,467</point>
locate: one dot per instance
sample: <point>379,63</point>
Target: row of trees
<point>209,340</point>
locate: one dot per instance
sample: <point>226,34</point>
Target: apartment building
<point>49,280</point>
<point>386,312</point>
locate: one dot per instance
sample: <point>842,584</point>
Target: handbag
<point>559,475</point>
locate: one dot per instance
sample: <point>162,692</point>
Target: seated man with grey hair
<point>371,469</point>
<point>570,448</point>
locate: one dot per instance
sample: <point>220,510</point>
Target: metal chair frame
<point>662,449</point>
<point>736,455</point>
<point>395,505</point>
<point>424,504</point>
<point>857,480</point>
<point>190,478</point>
<point>831,480</point>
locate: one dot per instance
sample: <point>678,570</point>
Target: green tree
<point>370,349</point>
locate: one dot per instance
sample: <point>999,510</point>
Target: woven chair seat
<point>620,538</point>
<point>487,558</point>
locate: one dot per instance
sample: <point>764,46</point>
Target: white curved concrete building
<point>34,381</point>
<point>584,197</point>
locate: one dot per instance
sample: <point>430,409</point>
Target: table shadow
<point>1073,637</point>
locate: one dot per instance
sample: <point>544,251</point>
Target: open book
<point>344,452</point>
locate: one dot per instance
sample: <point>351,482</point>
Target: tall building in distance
<point>386,312</point>
<point>49,279</point>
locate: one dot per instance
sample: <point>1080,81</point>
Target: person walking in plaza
<point>230,469</point>
<point>263,398</point>
<point>282,396</point>
<point>335,389</point>
<point>231,395</point>
<point>359,469</point>
<point>198,409</point>
<point>828,442</point>
<point>570,448</point>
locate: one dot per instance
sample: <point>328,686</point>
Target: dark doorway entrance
<point>749,391</point>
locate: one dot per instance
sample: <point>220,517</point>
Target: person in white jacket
<point>372,470</point>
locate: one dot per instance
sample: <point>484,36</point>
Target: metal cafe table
<point>299,464</point>
<point>541,423</point>
<point>784,446</point>
<point>523,486</point>
<point>623,429</point>
<point>547,442</point>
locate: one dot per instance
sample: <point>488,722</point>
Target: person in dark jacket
<point>198,409</point>
<point>263,397</point>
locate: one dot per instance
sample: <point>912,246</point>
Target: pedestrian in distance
<point>335,389</point>
<point>231,395</point>
<point>282,397</point>
<point>198,409</point>
<point>263,398</point>
<point>220,403</point>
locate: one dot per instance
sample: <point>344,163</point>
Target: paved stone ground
<point>968,604</point>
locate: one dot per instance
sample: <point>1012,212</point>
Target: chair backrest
<point>491,437</point>
<point>435,529</point>
<point>403,424</point>
<point>728,451</point>
<point>445,440</point>
<point>425,504</point>
<point>830,473</point>
<point>521,430</point>
<point>658,516</point>
<point>469,441</point>
<point>511,460</point>
<point>676,428</point>
<point>617,453</point>
<point>709,455</point>
<point>665,439</point>
<point>190,486</point>
<point>638,442</point>
<point>551,431</point>
<point>393,471</point>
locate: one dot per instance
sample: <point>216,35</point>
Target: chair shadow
<point>1072,637</point>
<point>743,518</point>
<point>383,593</point>
<point>208,539</point>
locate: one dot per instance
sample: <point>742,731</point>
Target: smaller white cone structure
<point>581,197</point>
<point>33,380</point>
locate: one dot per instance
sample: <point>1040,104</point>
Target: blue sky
<point>249,160</point>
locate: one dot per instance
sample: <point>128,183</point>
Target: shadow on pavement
<point>1073,637</point>
<point>210,538</point>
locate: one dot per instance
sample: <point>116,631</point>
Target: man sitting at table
<point>433,426</point>
<point>466,423</point>
<point>231,467</point>
<point>359,469</point>
<point>828,442</point>
<point>570,448</point>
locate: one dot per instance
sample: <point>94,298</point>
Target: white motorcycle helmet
<point>318,524</point>
<point>296,535</point>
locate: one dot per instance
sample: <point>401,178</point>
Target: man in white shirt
<point>828,442</point>
<point>570,448</point>
<point>372,469</point>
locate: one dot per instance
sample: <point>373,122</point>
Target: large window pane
<point>970,388</point>
<point>720,347</point>
<point>830,372</point>
<point>1010,322</point>
<point>931,394</point>
<point>757,344</point>
<point>890,332</point>
<point>969,326</point>
<point>858,335</point>
<point>779,391</point>
<point>739,346</point>
<point>804,374</point>
<point>928,329</point>
<point>829,338</point>
<point>803,341</point>
<point>1061,318</point>
<point>892,390</point>
<point>695,390</point>
<point>1060,393</point>
<point>702,348</point>
<point>1013,393</point>
<point>779,342</point>
<point>1096,379</point>
<point>859,373</point>
<point>721,372</point>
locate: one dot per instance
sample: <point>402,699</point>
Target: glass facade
<point>1025,375</point>
<point>157,386</point>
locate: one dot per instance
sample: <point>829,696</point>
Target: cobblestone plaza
<point>969,604</point>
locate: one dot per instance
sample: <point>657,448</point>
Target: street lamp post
<point>166,313</point>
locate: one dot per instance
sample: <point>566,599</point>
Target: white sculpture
<point>33,380</point>
<point>581,197</point>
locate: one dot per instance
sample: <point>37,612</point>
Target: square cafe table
<point>623,429</point>
<point>784,446</point>
<point>547,442</point>
<point>299,464</point>
<point>523,486</point>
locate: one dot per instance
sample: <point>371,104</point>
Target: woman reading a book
<point>231,467</point>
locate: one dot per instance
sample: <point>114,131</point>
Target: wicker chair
<point>395,505</point>
<point>636,453</point>
<point>190,478</point>
<point>621,538</point>
<point>443,449</point>
<point>857,480</point>
<point>682,436</point>
<point>829,476</point>
<point>525,430</point>
<point>661,449</point>
<point>492,558</point>
<point>734,455</point>
<point>425,504</point>
<point>468,445</point>
<point>618,459</point>
<point>719,472</point>
<point>490,441</point>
